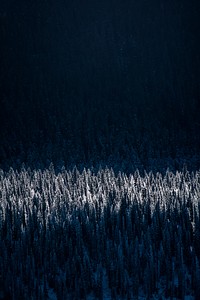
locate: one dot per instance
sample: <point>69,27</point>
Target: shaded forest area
<point>100,82</point>
<point>85,235</point>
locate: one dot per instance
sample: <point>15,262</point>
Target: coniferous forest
<point>99,236</point>
<point>99,149</point>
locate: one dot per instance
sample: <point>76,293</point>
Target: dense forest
<point>85,235</point>
<point>99,149</point>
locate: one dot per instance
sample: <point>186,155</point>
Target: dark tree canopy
<point>97,75</point>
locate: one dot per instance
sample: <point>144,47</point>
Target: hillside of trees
<point>86,235</point>
<point>99,149</point>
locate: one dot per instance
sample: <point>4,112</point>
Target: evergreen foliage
<point>75,234</point>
